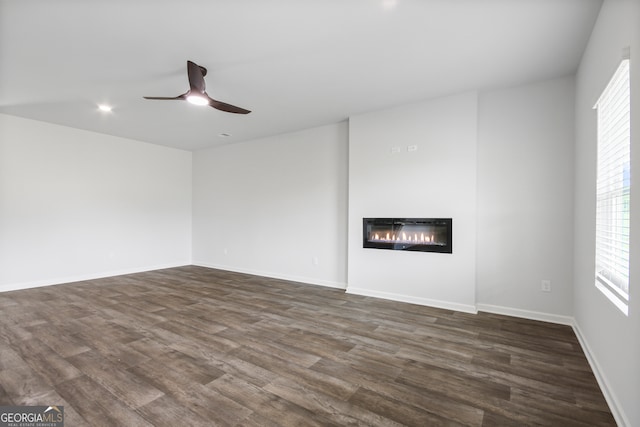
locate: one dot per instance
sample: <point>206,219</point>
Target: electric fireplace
<point>408,234</point>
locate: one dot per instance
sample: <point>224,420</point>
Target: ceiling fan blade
<point>168,98</point>
<point>196,77</point>
<point>227,107</point>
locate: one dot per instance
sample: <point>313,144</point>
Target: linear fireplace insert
<point>408,234</point>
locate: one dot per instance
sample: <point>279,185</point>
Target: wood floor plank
<point>335,410</point>
<point>168,412</point>
<point>198,346</point>
<point>49,365</point>
<point>329,384</point>
<point>10,358</point>
<point>211,404</point>
<point>454,383</point>
<point>387,408</point>
<point>267,408</point>
<point>559,408</point>
<point>5,399</point>
<point>19,381</point>
<point>57,338</point>
<point>131,389</point>
<point>185,372</point>
<point>275,347</point>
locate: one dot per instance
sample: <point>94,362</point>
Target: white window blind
<point>613,185</point>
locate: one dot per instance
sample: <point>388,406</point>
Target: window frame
<point>613,184</point>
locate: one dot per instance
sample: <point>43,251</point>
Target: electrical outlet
<point>545,286</point>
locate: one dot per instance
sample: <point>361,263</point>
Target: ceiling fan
<point>196,93</point>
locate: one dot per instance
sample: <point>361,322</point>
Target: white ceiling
<point>295,63</point>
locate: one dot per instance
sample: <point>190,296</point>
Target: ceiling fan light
<point>197,100</point>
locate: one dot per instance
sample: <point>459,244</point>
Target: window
<point>613,185</point>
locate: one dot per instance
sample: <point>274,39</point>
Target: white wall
<point>525,200</point>
<point>275,206</point>
<point>524,159</point>
<point>436,181</point>
<point>77,204</point>
<point>612,340</point>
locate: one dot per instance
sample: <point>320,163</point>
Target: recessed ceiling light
<point>104,107</point>
<point>389,4</point>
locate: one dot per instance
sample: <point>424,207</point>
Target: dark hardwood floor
<point>195,346</point>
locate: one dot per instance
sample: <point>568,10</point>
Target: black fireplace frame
<point>446,248</point>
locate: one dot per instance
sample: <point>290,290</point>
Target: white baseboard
<point>467,308</point>
<point>306,280</point>
<point>609,395</point>
<point>527,314</point>
<point>89,276</point>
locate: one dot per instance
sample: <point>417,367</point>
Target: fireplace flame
<point>404,237</point>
